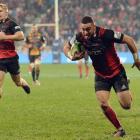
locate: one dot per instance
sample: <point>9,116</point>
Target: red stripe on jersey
<point>116,72</point>
<point>7,53</point>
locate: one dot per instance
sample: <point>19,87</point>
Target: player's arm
<point>15,37</point>
<point>118,37</point>
<point>16,33</point>
<point>67,50</point>
<point>44,42</point>
<point>27,44</point>
<point>132,47</point>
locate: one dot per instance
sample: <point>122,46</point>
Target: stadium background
<point>64,107</point>
<point>120,15</point>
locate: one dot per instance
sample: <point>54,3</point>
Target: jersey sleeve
<point>15,27</point>
<point>110,35</point>
<point>75,38</point>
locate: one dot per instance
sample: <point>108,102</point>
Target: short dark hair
<point>4,6</point>
<point>87,19</point>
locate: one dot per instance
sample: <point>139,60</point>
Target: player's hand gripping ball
<point>77,51</point>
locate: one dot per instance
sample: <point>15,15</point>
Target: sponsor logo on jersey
<point>123,87</point>
<point>17,27</point>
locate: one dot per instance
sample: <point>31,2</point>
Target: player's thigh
<point>121,87</point>
<point>2,75</point>
<point>125,98</point>
<point>79,63</point>
<point>14,70</point>
<point>120,83</point>
<point>3,70</point>
<point>103,97</point>
<point>86,60</point>
<point>13,66</point>
<point>37,61</point>
<point>16,78</point>
<point>102,89</point>
<point>32,64</point>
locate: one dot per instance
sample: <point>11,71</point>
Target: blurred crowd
<point>120,15</point>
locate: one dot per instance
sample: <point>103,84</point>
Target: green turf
<point>64,107</point>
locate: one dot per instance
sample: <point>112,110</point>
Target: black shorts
<point>10,65</point>
<point>119,82</point>
<point>32,58</point>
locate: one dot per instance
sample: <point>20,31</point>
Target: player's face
<point>34,29</point>
<point>3,13</point>
<point>87,30</point>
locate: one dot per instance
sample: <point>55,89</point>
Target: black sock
<point>37,74</point>
<point>33,74</point>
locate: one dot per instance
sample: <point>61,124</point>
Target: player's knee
<point>37,62</point>
<point>37,69</point>
<point>18,84</point>
<point>32,65</point>
<point>104,106</point>
<point>126,106</point>
<point>37,66</point>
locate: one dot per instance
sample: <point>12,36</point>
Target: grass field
<point>64,107</point>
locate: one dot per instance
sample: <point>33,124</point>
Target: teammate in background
<point>10,32</point>
<point>109,72</point>
<point>80,66</point>
<point>35,43</point>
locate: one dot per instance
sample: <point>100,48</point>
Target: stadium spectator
<point>104,12</point>
<point>71,12</point>
<point>109,72</point>
<point>10,32</point>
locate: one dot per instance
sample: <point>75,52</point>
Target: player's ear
<point>93,25</point>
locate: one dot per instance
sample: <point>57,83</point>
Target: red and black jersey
<point>100,48</point>
<point>7,47</point>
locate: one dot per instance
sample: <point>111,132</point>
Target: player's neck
<point>3,20</point>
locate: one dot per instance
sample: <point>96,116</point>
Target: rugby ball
<point>76,48</point>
